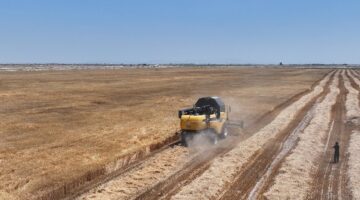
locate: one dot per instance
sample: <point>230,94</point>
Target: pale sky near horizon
<point>180,31</point>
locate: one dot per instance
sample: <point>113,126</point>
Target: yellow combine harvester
<point>209,115</point>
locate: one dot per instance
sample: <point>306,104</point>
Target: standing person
<point>337,152</point>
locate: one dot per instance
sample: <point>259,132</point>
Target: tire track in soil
<point>294,181</point>
<point>262,169</point>
<point>284,150</point>
<point>329,182</point>
<point>166,189</point>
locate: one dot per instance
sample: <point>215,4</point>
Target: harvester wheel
<point>184,139</point>
<point>214,138</point>
<point>224,133</point>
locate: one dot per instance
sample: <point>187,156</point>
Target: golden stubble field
<point>57,125</point>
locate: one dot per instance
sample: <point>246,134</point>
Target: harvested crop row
<point>224,169</point>
<point>287,146</point>
<point>294,178</point>
<point>353,114</point>
<point>352,100</point>
<point>130,184</point>
<point>354,164</point>
<point>352,74</point>
<point>356,72</point>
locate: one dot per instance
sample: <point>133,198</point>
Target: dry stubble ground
<point>55,126</point>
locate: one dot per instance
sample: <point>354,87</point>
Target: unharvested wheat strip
<point>224,169</point>
<point>294,178</point>
<point>353,114</point>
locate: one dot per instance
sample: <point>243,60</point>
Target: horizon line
<point>115,64</point>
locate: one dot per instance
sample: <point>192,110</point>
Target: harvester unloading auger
<point>209,116</point>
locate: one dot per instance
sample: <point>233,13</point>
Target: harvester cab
<point>208,116</point>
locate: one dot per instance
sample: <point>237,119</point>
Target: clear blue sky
<point>180,31</point>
